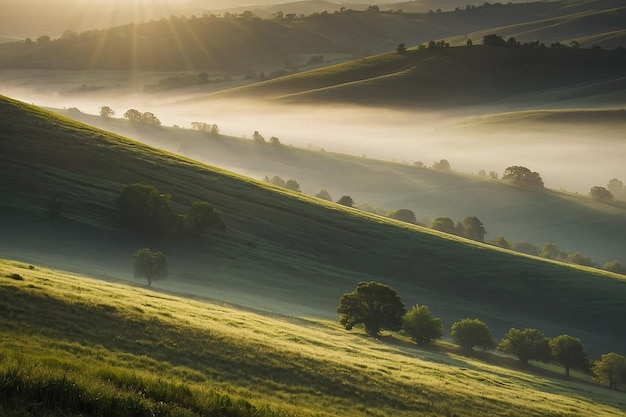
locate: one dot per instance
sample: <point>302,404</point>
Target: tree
<point>106,112</point>
<point>324,195</point>
<point>610,370</point>
<point>133,115</point>
<point>421,325</point>
<point>150,119</point>
<point>201,217</point>
<point>525,247</point>
<point>493,40</point>
<point>580,259</point>
<point>442,165</point>
<point>140,206</point>
<point>346,200</point>
<point>551,251</point>
<point>520,175</point>
<point>150,265</point>
<point>616,187</point>
<point>468,333</point>
<point>443,224</point>
<point>276,180</point>
<point>503,243</point>
<point>474,228</point>
<point>600,194</point>
<point>401,49</point>
<point>569,352</point>
<point>375,305</point>
<point>615,266</point>
<point>527,344</point>
<point>404,215</point>
<point>293,186</point>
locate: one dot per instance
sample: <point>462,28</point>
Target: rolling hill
<point>73,345</point>
<point>247,44</point>
<point>573,223</point>
<point>281,251</point>
<point>448,78</point>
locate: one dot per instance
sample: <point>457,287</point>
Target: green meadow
<point>74,345</point>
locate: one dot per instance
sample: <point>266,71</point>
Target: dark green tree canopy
<point>374,305</point>
<point>444,224</point>
<point>520,175</point>
<point>421,325</point>
<point>346,200</point>
<point>468,333</point>
<point>404,215</point>
<point>611,370</point>
<point>141,207</point>
<point>600,194</point>
<point>527,344</point>
<point>569,352</point>
<point>150,265</point>
<point>474,228</point>
<point>201,217</point>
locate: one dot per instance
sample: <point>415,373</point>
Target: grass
<point>75,345</point>
<point>281,250</point>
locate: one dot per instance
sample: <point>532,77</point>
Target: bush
<point>421,325</point>
<point>468,333</point>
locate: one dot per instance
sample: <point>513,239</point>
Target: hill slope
<point>280,250</point>
<point>573,223</point>
<point>249,44</point>
<point>111,349</point>
<point>444,78</point>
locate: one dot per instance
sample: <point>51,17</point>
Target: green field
<point>281,251</point>
<point>73,345</point>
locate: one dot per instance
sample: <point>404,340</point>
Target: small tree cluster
<point>523,176</point>
<point>471,227</point>
<point>290,184</point>
<point>146,118</point>
<point>143,208</point>
<point>211,129</point>
<point>377,306</point>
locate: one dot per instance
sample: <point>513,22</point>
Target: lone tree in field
<point>468,333</point>
<point>421,325</point>
<point>569,352</point>
<point>200,218</point>
<point>150,265</point>
<point>611,370</point>
<point>522,176</point>
<point>374,305</point>
<point>527,344</point>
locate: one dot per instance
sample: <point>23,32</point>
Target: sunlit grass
<point>157,348</point>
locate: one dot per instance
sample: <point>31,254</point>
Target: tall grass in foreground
<point>28,388</point>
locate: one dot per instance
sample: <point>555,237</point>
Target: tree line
<point>376,307</point>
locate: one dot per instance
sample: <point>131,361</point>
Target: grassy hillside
<point>245,43</point>
<point>444,78</point>
<point>73,345</point>
<point>573,223</point>
<point>280,251</point>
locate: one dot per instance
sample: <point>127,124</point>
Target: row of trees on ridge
<point>376,306</point>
